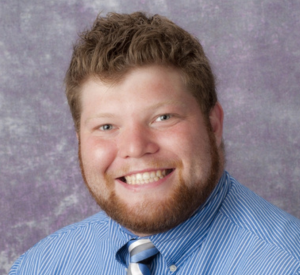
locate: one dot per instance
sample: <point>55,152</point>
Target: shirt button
<point>173,268</point>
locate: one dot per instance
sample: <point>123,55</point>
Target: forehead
<point>138,89</point>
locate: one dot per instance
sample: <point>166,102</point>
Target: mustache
<point>151,165</point>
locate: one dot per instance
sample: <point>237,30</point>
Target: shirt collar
<point>174,244</point>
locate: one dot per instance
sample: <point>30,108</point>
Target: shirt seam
<point>222,212</point>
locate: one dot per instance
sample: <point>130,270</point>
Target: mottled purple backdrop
<point>255,52</point>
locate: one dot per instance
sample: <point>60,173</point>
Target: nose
<point>136,142</point>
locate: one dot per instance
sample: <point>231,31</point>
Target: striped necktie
<point>140,250</point>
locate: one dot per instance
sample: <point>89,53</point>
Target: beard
<point>152,217</point>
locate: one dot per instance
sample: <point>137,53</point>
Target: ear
<point>216,117</point>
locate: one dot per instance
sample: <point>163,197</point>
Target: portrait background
<point>254,49</point>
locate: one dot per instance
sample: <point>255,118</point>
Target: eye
<point>163,117</point>
<point>106,127</point>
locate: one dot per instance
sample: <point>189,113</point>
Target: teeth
<point>147,177</point>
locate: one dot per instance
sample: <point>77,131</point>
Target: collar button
<point>173,268</point>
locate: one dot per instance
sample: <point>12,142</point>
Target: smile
<point>146,177</point>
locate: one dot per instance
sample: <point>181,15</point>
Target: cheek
<point>194,151</point>
<point>187,141</point>
<point>97,154</point>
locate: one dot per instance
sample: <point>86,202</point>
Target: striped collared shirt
<point>234,232</point>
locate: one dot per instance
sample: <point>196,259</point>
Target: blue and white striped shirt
<point>234,232</point>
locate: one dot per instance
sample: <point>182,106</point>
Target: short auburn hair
<point>120,42</point>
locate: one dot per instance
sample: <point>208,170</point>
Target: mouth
<point>145,177</point>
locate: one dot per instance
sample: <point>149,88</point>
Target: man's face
<point>146,153</point>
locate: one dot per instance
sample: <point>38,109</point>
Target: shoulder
<point>69,242</point>
<point>261,219</point>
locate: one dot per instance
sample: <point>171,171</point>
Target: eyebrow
<point>168,102</point>
<point>154,106</point>
<point>101,115</point>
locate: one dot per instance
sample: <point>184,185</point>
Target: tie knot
<point>140,251</point>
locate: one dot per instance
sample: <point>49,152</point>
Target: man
<point>149,127</point>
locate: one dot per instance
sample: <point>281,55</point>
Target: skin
<point>147,122</point>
